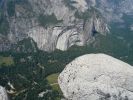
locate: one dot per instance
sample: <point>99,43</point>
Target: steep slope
<point>97,77</point>
<point>52,24</point>
<point>58,24</point>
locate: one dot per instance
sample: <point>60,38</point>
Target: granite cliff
<point>51,24</point>
<point>58,24</point>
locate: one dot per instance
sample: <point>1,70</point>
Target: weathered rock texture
<point>3,94</point>
<point>71,30</point>
<point>97,77</point>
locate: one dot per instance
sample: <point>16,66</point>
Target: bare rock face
<point>97,77</point>
<point>72,28</point>
<point>3,94</point>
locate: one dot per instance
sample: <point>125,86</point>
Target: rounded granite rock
<point>97,77</point>
<point>3,94</point>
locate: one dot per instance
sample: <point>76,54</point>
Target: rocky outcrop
<point>67,30</point>
<point>3,94</point>
<point>97,77</point>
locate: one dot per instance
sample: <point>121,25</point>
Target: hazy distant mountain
<point>114,9</point>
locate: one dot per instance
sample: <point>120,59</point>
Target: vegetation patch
<point>6,61</point>
<point>46,20</point>
<point>82,15</point>
<point>11,8</point>
<point>69,3</point>
<point>53,81</point>
<point>25,45</point>
<point>53,78</point>
<point>21,2</point>
<point>87,14</point>
<point>4,25</point>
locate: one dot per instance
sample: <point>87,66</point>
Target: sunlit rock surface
<point>97,77</point>
<point>3,94</point>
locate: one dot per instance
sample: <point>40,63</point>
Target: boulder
<point>3,94</point>
<point>97,77</point>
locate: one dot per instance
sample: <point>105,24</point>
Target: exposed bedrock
<point>97,77</point>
